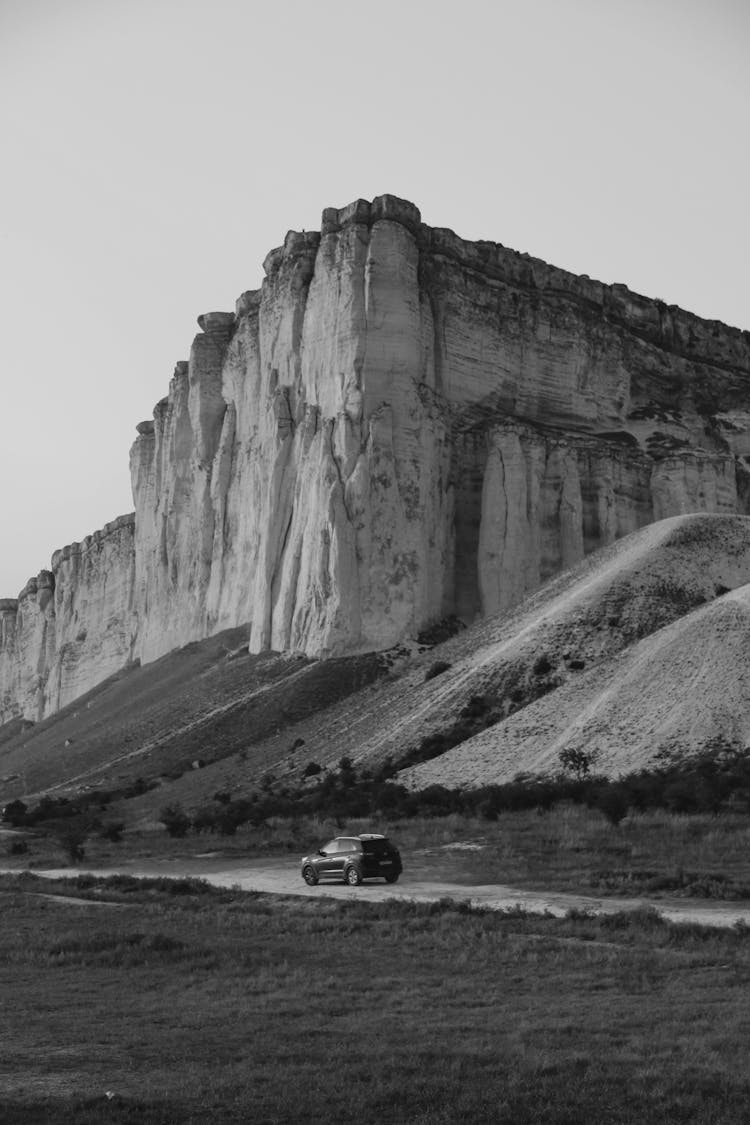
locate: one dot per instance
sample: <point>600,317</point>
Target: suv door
<point>329,861</point>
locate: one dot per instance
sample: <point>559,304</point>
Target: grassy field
<point>569,848</point>
<point>574,848</point>
<point>157,1003</point>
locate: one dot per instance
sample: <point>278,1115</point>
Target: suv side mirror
<point>321,852</point>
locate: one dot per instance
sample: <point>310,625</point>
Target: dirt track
<point>282,877</point>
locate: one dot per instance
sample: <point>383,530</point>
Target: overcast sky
<point>153,151</point>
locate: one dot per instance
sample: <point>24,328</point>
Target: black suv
<point>354,858</point>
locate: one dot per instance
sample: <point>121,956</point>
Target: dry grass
<point>226,1007</point>
<point>572,847</point>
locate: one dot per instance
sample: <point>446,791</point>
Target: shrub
<point>476,708</point>
<point>15,814</point>
<point>436,669</point>
<point>542,666</point>
<point>488,809</point>
<point>311,769</point>
<point>230,817</point>
<point>386,769</point>
<point>112,831</point>
<point>18,847</point>
<point>175,820</point>
<point>612,800</point>
<point>72,835</point>
<point>204,820</point>
<point>50,808</point>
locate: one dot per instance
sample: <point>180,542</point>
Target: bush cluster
<point>717,780</point>
<point>70,822</point>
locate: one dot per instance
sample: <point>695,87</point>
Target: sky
<point>154,151</point>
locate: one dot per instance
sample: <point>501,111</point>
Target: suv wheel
<point>352,877</point>
<point>309,876</point>
<point>391,878</point>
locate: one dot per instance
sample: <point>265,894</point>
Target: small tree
<point>347,773</point>
<point>175,819</point>
<point>230,817</point>
<point>72,835</point>
<point>112,831</point>
<point>578,762</point>
<point>205,819</point>
<point>613,802</point>
<point>15,814</point>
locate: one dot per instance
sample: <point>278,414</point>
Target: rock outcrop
<point>398,426</point>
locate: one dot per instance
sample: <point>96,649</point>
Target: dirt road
<point>282,877</point>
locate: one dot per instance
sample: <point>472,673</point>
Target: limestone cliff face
<point>399,425</point>
<point>402,425</point>
<point>71,626</point>
<point>547,500</point>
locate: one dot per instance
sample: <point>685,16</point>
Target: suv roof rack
<point>371,836</point>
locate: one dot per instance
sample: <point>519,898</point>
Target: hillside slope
<point>150,725</point>
<point>533,673</point>
<point>501,669</point>
<point>641,650</point>
<point>666,697</point>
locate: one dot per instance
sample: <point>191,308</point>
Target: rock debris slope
<point>639,651</point>
<point>398,426</point>
<point>644,655</point>
<point>671,695</point>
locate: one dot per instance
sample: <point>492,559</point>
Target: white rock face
<point>398,426</point>
<point>548,501</point>
<point>70,627</point>
<point>94,612</point>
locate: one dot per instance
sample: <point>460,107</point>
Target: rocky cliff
<point>71,626</point>
<point>398,426</point>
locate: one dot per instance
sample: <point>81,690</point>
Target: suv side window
<point>331,848</point>
<point>350,845</point>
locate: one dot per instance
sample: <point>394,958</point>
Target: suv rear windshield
<point>376,847</point>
